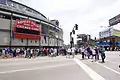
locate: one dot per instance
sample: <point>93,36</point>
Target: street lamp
<point>71,38</point>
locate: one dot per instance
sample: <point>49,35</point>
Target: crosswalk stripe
<point>89,71</point>
<point>36,68</point>
<point>109,68</point>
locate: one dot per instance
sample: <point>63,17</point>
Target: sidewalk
<point>37,58</point>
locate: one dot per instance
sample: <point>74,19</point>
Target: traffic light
<point>76,27</point>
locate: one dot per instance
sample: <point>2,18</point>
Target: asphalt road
<point>60,68</point>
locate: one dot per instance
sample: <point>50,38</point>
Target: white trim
<point>89,71</point>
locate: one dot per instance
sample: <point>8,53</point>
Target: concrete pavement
<point>60,68</point>
<point>42,69</point>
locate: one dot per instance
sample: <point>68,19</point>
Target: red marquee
<point>26,29</point>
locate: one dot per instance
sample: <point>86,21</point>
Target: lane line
<point>109,68</point>
<point>32,62</point>
<point>37,68</point>
<point>89,71</point>
<point>113,62</point>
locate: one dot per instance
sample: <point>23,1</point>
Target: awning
<point>117,43</point>
<point>103,44</point>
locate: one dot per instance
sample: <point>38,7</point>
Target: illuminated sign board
<point>26,29</point>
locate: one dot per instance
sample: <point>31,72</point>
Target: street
<point>60,68</point>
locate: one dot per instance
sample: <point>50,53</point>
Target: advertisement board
<point>106,33</point>
<point>116,32</point>
<point>115,20</point>
<point>26,29</point>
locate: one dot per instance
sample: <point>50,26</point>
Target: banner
<point>116,32</point>
<point>45,38</point>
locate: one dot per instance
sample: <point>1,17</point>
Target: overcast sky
<point>88,14</point>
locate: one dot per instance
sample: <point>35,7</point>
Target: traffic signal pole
<point>71,38</point>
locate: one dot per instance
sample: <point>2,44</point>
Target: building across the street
<point>22,26</point>
<point>109,38</point>
<point>83,39</point>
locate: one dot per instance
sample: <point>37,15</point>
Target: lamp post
<point>73,32</point>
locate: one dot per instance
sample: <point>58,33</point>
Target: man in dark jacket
<point>102,54</point>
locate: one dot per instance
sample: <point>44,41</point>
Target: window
<point>50,41</point>
<point>22,40</point>
<point>5,16</point>
<point>44,29</point>
<point>42,41</point>
<point>35,41</point>
<point>31,41</point>
<point>46,42</point>
<point>15,18</point>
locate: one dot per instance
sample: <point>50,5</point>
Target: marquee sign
<point>26,29</point>
<point>27,24</point>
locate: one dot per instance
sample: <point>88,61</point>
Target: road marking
<point>32,62</point>
<point>108,68</point>
<point>37,68</point>
<point>88,70</point>
<point>113,62</point>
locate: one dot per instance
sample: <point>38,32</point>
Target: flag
<point>45,38</point>
<point>55,28</point>
<point>3,2</point>
<point>12,34</point>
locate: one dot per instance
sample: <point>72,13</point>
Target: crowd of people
<point>90,52</point>
<point>86,52</point>
<point>27,53</point>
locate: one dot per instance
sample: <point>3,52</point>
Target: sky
<point>88,14</point>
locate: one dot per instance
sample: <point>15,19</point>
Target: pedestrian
<point>18,52</point>
<point>55,52</point>
<point>73,51</point>
<point>52,52</point>
<point>3,53</point>
<point>93,54</point>
<point>82,51</point>
<point>68,52</point>
<point>97,55</point>
<point>88,51</point>
<point>31,53</point>
<point>102,54</point>
<point>0,52</point>
<point>47,51</point>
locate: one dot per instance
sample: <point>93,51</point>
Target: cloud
<point>88,14</point>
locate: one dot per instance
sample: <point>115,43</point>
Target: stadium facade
<point>22,26</point>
